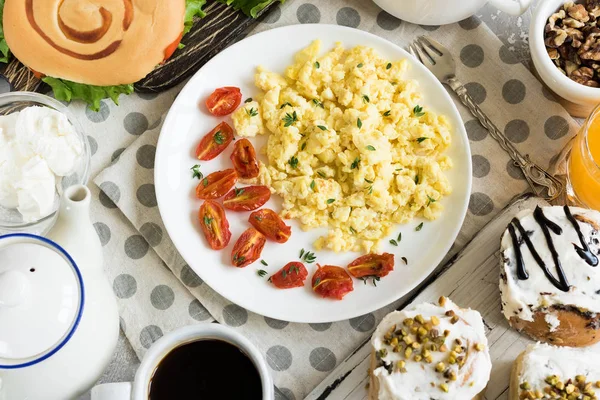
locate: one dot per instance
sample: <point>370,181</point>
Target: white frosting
<point>415,383</point>
<point>541,361</point>
<point>523,297</point>
<point>37,145</point>
<point>552,321</point>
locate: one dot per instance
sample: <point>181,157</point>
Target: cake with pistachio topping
<point>430,351</point>
<point>548,372</point>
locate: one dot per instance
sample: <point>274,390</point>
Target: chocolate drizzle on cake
<point>584,251</point>
<point>548,227</point>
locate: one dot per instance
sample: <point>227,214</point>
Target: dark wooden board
<point>209,35</point>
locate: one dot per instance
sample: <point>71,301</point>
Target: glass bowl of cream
<point>43,151</point>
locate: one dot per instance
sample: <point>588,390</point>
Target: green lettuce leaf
<point>3,46</point>
<point>193,8</point>
<point>250,7</point>
<point>67,91</point>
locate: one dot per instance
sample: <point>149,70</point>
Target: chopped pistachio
<point>440,367</point>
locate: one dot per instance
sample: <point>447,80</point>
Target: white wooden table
<point>513,32</point>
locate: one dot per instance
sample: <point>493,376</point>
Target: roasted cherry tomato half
<point>248,198</point>
<point>248,247</point>
<point>214,142</point>
<point>271,225</point>
<point>214,225</point>
<point>292,275</point>
<point>372,265</point>
<point>224,101</point>
<point>244,159</point>
<point>332,282</point>
<point>216,184</point>
<point>172,47</point>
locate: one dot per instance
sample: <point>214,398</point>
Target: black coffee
<point>206,370</point>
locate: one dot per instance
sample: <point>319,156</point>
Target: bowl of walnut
<point>564,40</point>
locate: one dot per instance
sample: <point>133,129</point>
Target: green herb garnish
<point>352,231</point>
<point>289,119</point>
<point>321,127</point>
<point>238,192</point>
<point>417,179</point>
<point>360,65</point>
<point>368,181</point>
<point>371,148</point>
<point>419,227</point>
<point>285,104</point>
<point>196,172</point>
<point>418,111</point>
<point>207,220</point>
<point>318,103</point>
<point>218,137</point>
<point>422,139</point>
<point>387,113</point>
<point>405,260</point>
<point>303,146</point>
<point>430,200</point>
<point>293,162</point>
<point>205,182</point>
<point>312,185</point>
<point>261,273</point>
<point>329,201</point>
<point>388,66</point>
<point>359,123</point>
<point>248,100</point>
<point>393,242</point>
<point>263,262</point>
<point>355,163</point>
<point>321,174</point>
<point>317,65</point>
<point>238,259</point>
<point>252,112</point>
<point>307,256</point>
<point>366,98</point>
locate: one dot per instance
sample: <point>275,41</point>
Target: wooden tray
<point>209,35</point>
<point>471,280</point>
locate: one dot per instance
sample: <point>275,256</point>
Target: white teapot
<point>59,322</point>
<point>441,12</point>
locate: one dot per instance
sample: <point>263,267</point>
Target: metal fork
<point>439,61</point>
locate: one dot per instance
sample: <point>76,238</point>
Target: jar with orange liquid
<point>584,164</point>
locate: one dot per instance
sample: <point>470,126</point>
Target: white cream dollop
<point>415,383</point>
<point>37,145</point>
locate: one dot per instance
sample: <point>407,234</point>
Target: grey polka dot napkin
<point>158,292</point>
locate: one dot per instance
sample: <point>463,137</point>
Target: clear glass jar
<point>10,219</point>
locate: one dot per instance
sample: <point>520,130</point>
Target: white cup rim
<point>192,333</point>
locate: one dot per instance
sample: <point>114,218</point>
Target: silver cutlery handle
<point>541,181</point>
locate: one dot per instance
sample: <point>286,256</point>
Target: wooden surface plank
<point>470,280</point>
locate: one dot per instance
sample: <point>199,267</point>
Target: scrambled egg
<point>350,146</point>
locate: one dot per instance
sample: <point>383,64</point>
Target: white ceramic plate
<point>186,123</point>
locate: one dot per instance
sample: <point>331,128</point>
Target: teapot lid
<point>41,299</point>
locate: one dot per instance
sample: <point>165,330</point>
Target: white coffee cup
<point>139,388</point>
